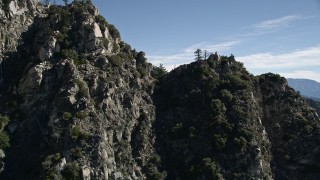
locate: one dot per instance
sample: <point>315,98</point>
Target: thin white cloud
<point>302,75</point>
<point>296,59</point>
<point>211,47</point>
<point>279,22</point>
<point>285,64</point>
<point>187,54</point>
<point>271,25</point>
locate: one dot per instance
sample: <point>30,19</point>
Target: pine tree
<point>198,54</point>
<point>163,69</point>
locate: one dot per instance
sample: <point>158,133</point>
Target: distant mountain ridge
<point>308,88</point>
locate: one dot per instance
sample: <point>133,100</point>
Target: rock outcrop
<point>81,108</point>
<point>16,17</point>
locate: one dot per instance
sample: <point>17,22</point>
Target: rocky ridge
<point>75,101</point>
<point>78,103</point>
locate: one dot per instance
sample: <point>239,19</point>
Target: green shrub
<point>210,168</point>
<point>177,127</point>
<point>71,171</point>
<point>158,72</point>
<point>154,173</point>
<point>105,42</point>
<point>61,37</point>
<point>308,129</point>
<point>66,116</point>
<point>226,95</point>
<point>53,158</point>
<point>155,158</point>
<point>240,112</point>
<point>116,47</point>
<point>246,133</point>
<point>217,110</point>
<point>140,58</point>
<point>113,31</point>
<point>126,48</point>
<point>277,78</point>
<point>212,63</point>
<point>211,87</point>
<point>51,174</point>
<point>142,71</point>
<point>241,141</point>
<point>77,153</point>
<point>219,141</point>
<point>4,140</point>
<point>83,90</point>
<point>236,83</point>
<point>71,54</point>
<point>115,60</point>
<point>223,61</point>
<point>4,120</point>
<point>204,71</point>
<point>76,133</point>
<point>81,115</point>
<point>48,165</point>
<point>101,19</point>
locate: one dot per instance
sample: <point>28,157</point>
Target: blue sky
<point>267,36</point>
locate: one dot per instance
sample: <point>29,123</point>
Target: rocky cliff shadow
<point>22,160</point>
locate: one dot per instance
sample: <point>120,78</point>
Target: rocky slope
<point>216,114</point>
<point>315,103</point>
<point>15,19</point>
<point>78,103</point>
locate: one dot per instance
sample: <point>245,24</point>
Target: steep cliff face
<point>293,129</point>
<point>79,108</point>
<point>78,103</point>
<point>219,122</point>
<point>210,119</point>
<point>15,18</point>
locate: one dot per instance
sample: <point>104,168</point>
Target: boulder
<point>31,82</point>
<point>46,50</point>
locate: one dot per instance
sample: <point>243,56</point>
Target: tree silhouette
<point>198,54</point>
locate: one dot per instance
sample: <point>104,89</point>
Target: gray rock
<point>31,83</point>
<point>2,155</point>
<point>46,51</point>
